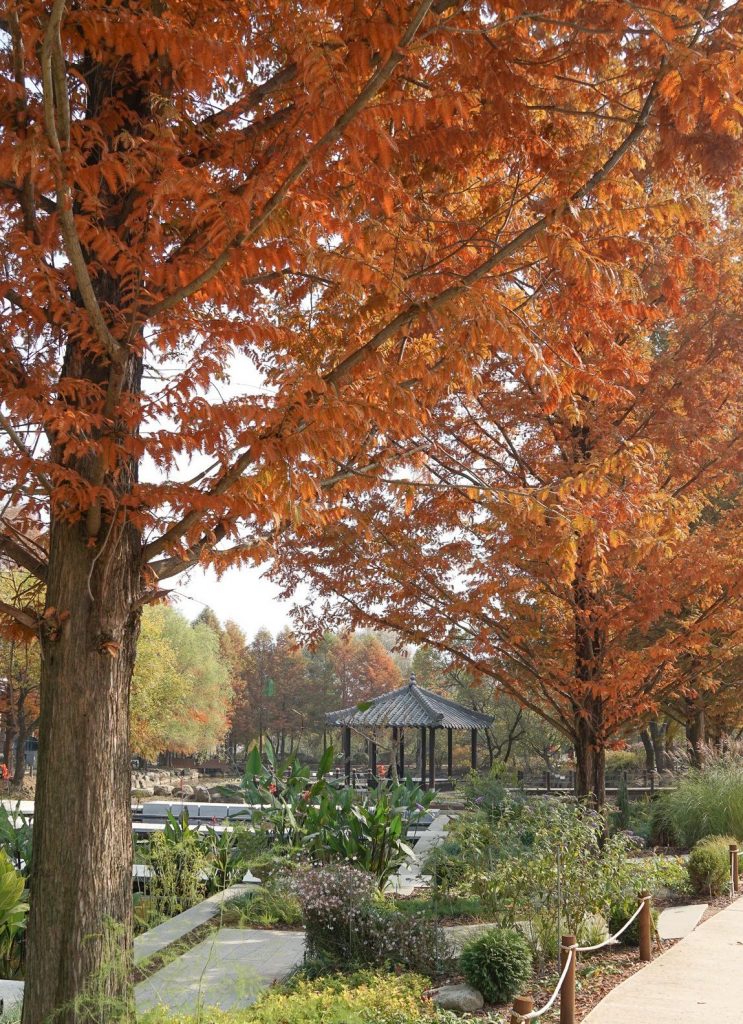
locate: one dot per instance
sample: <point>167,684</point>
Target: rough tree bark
<point>658,732</point>
<point>647,743</point>
<point>81,887</point>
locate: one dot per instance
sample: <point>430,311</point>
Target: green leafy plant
<point>13,911</point>
<point>16,834</point>
<point>271,904</point>
<point>226,863</point>
<point>552,859</point>
<point>179,868</point>
<point>497,963</point>
<point>326,822</point>
<point>709,865</point>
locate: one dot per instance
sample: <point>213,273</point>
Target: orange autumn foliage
<point>586,552</point>
<point>345,204</point>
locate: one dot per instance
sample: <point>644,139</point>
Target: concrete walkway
<point>228,971</point>
<point>698,979</point>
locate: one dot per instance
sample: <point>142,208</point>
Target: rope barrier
<point>548,1006</point>
<point>613,938</point>
<point>572,952</point>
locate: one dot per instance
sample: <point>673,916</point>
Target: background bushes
<point>709,865</point>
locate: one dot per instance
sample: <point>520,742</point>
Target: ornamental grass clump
<point>709,865</point>
<point>707,801</point>
<point>497,963</point>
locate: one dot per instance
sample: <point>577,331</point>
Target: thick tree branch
<point>20,615</point>
<point>23,557</point>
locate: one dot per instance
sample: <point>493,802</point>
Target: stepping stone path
<point>409,877</point>
<point>228,970</point>
<point>156,939</point>
<point>677,922</point>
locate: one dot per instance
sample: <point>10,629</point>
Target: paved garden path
<point>698,979</point>
<point>227,970</point>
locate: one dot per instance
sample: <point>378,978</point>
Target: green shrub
<point>623,760</point>
<point>708,801</point>
<point>347,923</point>
<point>271,904</point>
<point>497,963</point>
<point>179,869</point>
<point>709,865</point>
<point>620,912</point>
<point>487,792</point>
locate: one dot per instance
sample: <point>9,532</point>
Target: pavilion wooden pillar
<point>423,757</point>
<point>450,752</point>
<point>347,753</point>
<point>432,757</point>
<point>372,763</point>
<point>473,754</point>
<point>394,760</point>
<point>401,762</point>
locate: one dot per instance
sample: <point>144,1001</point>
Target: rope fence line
<point>523,1006</point>
<point>613,938</point>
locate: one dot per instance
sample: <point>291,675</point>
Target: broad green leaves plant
<point>326,822</point>
<point>13,911</point>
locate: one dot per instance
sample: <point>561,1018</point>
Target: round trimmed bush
<point>497,963</point>
<point>709,865</point>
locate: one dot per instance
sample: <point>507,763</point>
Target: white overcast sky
<point>242,594</point>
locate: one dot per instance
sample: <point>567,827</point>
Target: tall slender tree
<point>329,194</point>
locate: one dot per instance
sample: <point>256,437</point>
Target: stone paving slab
<point>11,994</point>
<point>227,971</point>
<point>677,922</point>
<point>156,939</point>
<point>698,979</point>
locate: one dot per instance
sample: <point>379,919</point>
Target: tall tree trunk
<point>79,933</point>
<point>695,733</point>
<point>9,746</point>
<point>647,743</point>
<point>590,754</point>
<point>657,735</point>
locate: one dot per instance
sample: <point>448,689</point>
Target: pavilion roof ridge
<point>410,706</point>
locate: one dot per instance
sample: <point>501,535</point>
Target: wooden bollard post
<point>645,928</point>
<point>734,867</point>
<point>521,1005</point>
<point>567,992</point>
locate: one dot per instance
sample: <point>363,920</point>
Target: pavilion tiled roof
<point>410,707</point>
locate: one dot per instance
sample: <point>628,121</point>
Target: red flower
<point>6,773</point>
<point>272,788</point>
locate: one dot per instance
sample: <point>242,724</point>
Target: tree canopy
<point>355,206</point>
